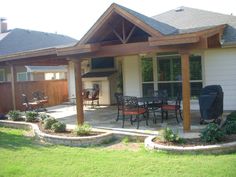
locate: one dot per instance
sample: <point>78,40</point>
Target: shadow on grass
<point>12,141</point>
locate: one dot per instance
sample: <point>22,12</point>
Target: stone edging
<point>62,140</point>
<point>214,149</point>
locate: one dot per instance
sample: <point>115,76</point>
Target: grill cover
<point>211,102</point>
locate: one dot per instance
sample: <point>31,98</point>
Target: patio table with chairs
<point>158,104</point>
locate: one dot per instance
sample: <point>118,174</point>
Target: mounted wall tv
<point>102,63</point>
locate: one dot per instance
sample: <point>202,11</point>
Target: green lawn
<point>23,156</point>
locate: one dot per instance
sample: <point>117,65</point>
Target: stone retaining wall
<point>211,149</point>
<point>62,140</point>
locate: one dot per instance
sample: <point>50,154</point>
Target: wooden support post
<point>186,92</point>
<point>13,86</point>
<point>78,88</point>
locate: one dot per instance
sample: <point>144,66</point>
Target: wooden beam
<point>130,33</point>
<point>13,86</point>
<point>173,40</point>
<point>79,98</point>
<point>123,30</point>
<point>137,22</point>
<point>83,48</point>
<point>117,35</point>
<point>29,54</point>
<point>186,91</point>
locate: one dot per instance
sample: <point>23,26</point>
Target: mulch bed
<point>196,142</point>
<point>67,133</point>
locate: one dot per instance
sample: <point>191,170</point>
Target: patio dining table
<point>148,100</point>
<point>152,104</point>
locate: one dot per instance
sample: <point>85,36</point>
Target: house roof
<point>186,19</point>
<point>21,40</point>
<point>46,68</point>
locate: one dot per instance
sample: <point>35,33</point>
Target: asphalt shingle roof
<point>190,18</point>
<point>21,40</point>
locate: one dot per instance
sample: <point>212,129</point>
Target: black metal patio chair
<point>130,107</point>
<point>118,97</point>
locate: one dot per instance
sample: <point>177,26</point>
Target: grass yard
<point>23,156</point>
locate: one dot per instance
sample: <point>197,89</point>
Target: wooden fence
<point>56,90</point>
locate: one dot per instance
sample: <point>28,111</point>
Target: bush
<point>31,116</point>
<point>229,127</point>
<point>48,122</point>
<point>44,116</point>
<point>231,116</point>
<point>59,127</point>
<point>167,135</point>
<point>15,115</point>
<point>212,133</point>
<point>83,130</point>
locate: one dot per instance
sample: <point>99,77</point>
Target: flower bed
<point>98,138</point>
<point>215,148</point>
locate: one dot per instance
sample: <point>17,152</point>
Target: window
<point>22,76</point>
<point>102,63</point>
<point>168,75</point>
<point>2,75</point>
<point>147,76</point>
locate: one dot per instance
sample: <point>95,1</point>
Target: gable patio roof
<point>161,32</point>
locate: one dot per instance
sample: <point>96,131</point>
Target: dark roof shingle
<point>21,40</point>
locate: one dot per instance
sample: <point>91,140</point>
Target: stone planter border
<point>104,137</point>
<point>208,149</point>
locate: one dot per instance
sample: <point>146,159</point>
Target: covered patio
<point>131,40</point>
<point>127,36</point>
<point>104,117</point>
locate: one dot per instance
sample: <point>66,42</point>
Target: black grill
<point>211,103</point>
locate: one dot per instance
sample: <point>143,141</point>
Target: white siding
<point>131,76</point>
<point>71,80</point>
<point>220,68</point>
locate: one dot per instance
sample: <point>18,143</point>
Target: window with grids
<point>170,79</point>
<point>168,69</point>
<point>147,76</point>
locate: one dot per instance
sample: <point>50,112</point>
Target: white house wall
<point>71,80</point>
<point>220,69</point>
<point>131,76</point>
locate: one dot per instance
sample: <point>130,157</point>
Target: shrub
<point>15,115</point>
<point>31,116</point>
<point>44,116</point>
<point>59,127</point>
<point>83,130</point>
<point>212,133</point>
<point>48,122</point>
<point>167,135</point>
<point>229,127</point>
<point>231,116</point>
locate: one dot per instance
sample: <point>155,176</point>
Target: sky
<point>75,17</point>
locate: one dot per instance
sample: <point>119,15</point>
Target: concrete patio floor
<point>104,117</point>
